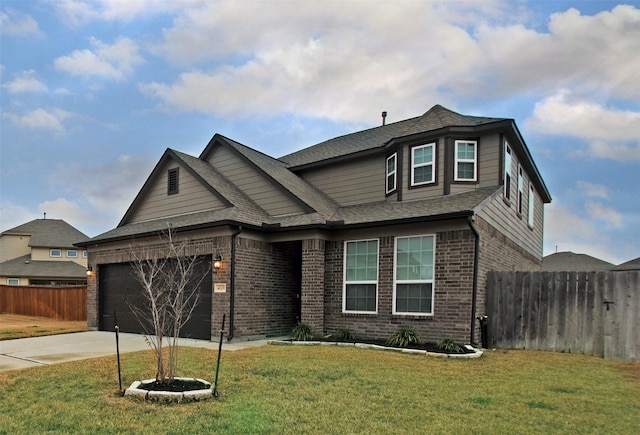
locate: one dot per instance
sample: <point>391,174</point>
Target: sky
<point>93,92</point>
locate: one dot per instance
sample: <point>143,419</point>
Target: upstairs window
<point>392,170</point>
<point>520,189</point>
<point>55,253</point>
<point>507,171</point>
<point>72,253</point>
<point>415,264</point>
<point>532,197</point>
<point>13,281</point>
<point>84,253</point>
<point>422,164</point>
<point>172,184</point>
<point>361,277</point>
<point>466,164</point>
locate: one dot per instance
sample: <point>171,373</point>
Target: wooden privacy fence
<point>594,313</point>
<point>63,303</point>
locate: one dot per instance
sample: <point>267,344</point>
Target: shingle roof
<point>434,119</point>
<point>49,233</point>
<point>629,265</point>
<point>25,267</point>
<point>572,262</point>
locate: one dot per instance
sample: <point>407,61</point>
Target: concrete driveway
<point>40,351</point>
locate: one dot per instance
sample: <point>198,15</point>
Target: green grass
<point>327,389</point>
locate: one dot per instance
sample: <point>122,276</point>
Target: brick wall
<point>313,283</point>
<point>452,296</point>
<point>267,288</point>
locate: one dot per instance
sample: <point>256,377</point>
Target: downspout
<point>232,284</point>
<point>474,291</point>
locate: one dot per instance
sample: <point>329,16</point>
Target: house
<point>394,226</point>
<point>572,262</point>
<point>42,252</point>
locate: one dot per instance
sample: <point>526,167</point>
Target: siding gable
<point>265,192</point>
<point>192,196</point>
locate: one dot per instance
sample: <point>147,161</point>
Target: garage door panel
<point>119,290</point>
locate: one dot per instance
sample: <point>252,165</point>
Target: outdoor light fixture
<point>217,262</point>
<point>89,270</point>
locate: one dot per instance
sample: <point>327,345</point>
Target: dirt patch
<point>19,326</point>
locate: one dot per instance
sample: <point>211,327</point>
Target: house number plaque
<point>220,288</point>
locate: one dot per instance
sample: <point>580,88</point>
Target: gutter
<point>232,284</point>
<point>474,291</point>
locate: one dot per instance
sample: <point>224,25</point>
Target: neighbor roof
<point>572,262</point>
<point>629,265</point>
<point>48,233</point>
<point>25,267</point>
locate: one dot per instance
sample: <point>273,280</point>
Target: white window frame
<point>532,200</point>
<point>72,253</point>
<point>431,281</point>
<point>474,161</point>
<point>13,281</point>
<point>520,205</point>
<point>55,253</point>
<point>369,282</point>
<point>508,153</point>
<point>85,254</point>
<point>393,173</point>
<point>432,163</point>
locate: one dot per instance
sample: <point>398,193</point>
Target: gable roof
<point>25,267</point>
<point>48,233</point>
<point>629,265</point>
<point>572,262</point>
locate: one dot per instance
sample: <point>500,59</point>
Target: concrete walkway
<point>52,349</point>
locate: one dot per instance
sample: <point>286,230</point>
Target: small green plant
<point>302,332</point>
<point>346,334</point>
<point>403,337</point>
<point>449,345</point>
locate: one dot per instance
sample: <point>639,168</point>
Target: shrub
<point>403,337</point>
<point>449,345</point>
<point>346,334</point>
<point>302,332</point>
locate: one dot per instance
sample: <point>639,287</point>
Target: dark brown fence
<point>64,303</point>
<point>595,313</point>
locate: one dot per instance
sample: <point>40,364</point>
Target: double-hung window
<point>507,171</point>
<point>423,164</point>
<point>414,269</point>
<point>466,164</point>
<point>361,277</point>
<point>520,190</point>
<point>392,170</point>
<point>532,196</point>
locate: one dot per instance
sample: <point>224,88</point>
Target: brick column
<point>312,291</point>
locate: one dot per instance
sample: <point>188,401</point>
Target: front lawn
<point>328,389</point>
<point>21,326</point>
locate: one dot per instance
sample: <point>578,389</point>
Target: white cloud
<point>69,211</point>
<point>592,190</point>
<point>25,81</point>
<point>16,23</point>
<point>612,133</point>
<point>609,216</point>
<point>41,119</point>
<point>113,62</point>
<point>12,215</point>
<point>77,12</point>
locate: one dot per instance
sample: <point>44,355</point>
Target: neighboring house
<point>42,252</point>
<point>629,265</point>
<point>394,226</point>
<point>572,262</point>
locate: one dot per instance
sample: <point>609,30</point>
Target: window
<point>415,263</point>
<point>532,197</point>
<point>392,169</point>
<point>55,253</point>
<point>72,253</point>
<point>422,164</point>
<point>507,171</point>
<point>84,253</point>
<point>172,184</point>
<point>13,281</point>
<point>361,277</point>
<point>520,189</point>
<point>466,160</point>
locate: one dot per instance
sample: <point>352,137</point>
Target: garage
<point>119,290</point>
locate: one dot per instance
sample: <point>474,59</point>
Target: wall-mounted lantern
<point>89,271</point>
<point>217,262</point>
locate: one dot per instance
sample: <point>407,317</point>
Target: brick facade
<point>313,283</point>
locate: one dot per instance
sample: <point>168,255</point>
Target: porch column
<point>312,291</point>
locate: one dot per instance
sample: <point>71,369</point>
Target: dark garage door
<point>119,289</point>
